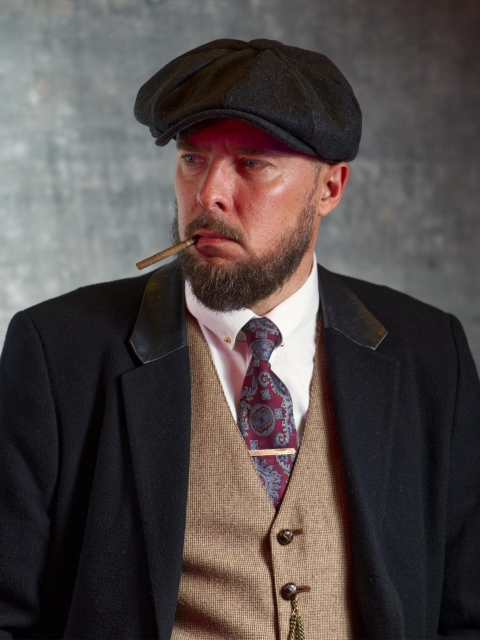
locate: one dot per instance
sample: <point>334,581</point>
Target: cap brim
<point>268,127</point>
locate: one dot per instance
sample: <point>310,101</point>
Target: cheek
<point>179,184</point>
<point>185,194</point>
<point>274,211</point>
<point>264,224</point>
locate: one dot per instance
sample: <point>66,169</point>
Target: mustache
<point>205,221</point>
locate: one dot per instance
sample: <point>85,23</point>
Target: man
<point>345,501</point>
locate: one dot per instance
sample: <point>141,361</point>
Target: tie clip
<point>271,452</point>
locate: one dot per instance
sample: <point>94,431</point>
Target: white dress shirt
<point>292,360</point>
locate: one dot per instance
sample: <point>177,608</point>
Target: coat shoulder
<point>107,306</point>
<point>409,321</point>
<point>88,326</point>
<point>386,300</point>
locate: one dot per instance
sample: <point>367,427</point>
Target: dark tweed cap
<point>295,95</point>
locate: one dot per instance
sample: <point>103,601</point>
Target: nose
<point>215,192</point>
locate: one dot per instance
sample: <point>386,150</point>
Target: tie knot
<point>262,337</point>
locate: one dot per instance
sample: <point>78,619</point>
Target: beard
<point>246,282</point>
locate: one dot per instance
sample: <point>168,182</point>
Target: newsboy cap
<point>300,97</point>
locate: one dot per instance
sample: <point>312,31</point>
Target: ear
<point>332,183</point>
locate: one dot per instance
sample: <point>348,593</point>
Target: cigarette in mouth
<point>171,251</point>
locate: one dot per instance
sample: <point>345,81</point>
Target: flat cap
<point>300,97</point>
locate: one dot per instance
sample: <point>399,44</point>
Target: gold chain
<point>296,624</point>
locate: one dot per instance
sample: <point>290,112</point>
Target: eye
<point>190,158</point>
<point>252,164</point>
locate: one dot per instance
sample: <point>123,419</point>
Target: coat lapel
<point>157,408</point>
<point>365,388</point>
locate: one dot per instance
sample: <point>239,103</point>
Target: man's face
<point>253,203</point>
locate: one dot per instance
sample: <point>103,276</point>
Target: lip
<point>211,238</point>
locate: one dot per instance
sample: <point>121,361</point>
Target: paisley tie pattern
<point>266,412</point>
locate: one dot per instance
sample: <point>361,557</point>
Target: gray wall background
<point>85,193</point>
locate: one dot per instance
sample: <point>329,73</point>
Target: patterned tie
<point>266,412</point>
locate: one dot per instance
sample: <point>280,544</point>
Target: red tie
<point>266,411</point>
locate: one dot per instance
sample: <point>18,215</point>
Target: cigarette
<point>171,251</point>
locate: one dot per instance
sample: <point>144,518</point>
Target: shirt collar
<point>294,312</point>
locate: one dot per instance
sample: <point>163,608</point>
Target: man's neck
<point>289,288</point>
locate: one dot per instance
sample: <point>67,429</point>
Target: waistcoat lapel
<point>364,386</point>
<point>157,407</point>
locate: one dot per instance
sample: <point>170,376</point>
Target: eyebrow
<point>250,151</point>
<point>256,151</point>
<point>186,146</point>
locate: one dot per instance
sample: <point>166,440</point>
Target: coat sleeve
<point>460,610</point>
<point>28,472</point>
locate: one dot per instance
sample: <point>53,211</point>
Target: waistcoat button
<point>289,591</point>
<point>285,536</point>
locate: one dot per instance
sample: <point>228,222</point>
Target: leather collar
<point>160,326</point>
<point>344,311</point>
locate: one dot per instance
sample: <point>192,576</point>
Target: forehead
<point>234,132</point>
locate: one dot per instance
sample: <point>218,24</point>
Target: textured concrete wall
<point>84,192</point>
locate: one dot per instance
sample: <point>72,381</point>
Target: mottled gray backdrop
<point>85,193</point>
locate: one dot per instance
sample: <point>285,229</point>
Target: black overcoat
<point>95,452</point>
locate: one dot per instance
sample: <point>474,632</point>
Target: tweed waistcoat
<point>233,564</point>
